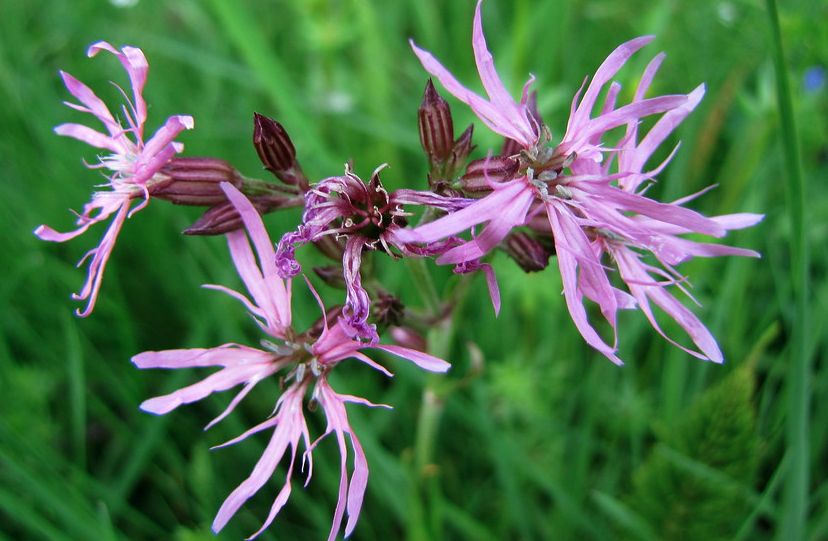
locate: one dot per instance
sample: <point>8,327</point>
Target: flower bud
<point>388,310</point>
<point>223,218</point>
<point>330,247</point>
<point>446,156</point>
<point>527,251</point>
<point>436,125</point>
<point>194,180</point>
<point>480,174</point>
<point>459,154</point>
<point>277,152</point>
<point>332,275</point>
<point>409,338</point>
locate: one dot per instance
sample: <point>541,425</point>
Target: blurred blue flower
<point>813,80</point>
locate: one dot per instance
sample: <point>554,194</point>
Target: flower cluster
<point>580,200</point>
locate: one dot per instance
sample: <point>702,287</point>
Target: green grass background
<point>532,435</point>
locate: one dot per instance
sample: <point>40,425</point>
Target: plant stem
<point>425,286</point>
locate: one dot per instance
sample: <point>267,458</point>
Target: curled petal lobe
<point>136,66</point>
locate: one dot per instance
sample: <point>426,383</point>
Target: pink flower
<point>368,217</point>
<point>589,200</point>
<point>134,164</point>
<point>308,358</point>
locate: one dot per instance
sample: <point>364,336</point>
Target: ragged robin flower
<point>133,165</point>
<point>589,209</point>
<point>305,360</point>
<point>366,217</point>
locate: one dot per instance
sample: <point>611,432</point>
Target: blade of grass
<point>795,497</point>
<point>77,391</point>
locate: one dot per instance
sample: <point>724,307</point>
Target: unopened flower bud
<point>527,251</point>
<point>480,174</point>
<point>194,180</point>
<point>388,310</point>
<point>332,275</point>
<point>459,154</point>
<point>223,218</point>
<point>277,152</point>
<point>409,338</point>
<point>330,247</point>
<point>436,125</point>
<point>445,155</point>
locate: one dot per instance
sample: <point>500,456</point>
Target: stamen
<point>279,349</point>
<point>570,159</point>
<point>316,368</point>
<point>563,192</point>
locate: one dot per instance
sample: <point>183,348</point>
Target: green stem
<point>425,285</point>
<point>795,496</point>
<point>424,492</point>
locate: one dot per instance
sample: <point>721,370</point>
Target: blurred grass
<point>536,446</point>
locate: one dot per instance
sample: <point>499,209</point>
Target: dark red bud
<point>333,275</point>
<point>459,154</point>
<point>494,169</point>
<point>388,309</point>
<point>277,152</point>
<point>194,180</point>
<point>436,125</point>
<point>527,251</point>
<point>330,247</point>
<point>409,338</point>
<point>224,217</point>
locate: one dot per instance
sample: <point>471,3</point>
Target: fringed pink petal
<point>505,211</point>
<point>224,355</point>
<point>351,493</point>
<point>44,232</point>
<point>136,66</point>
<point>222,380</point>
<point>92,102</point>
<point>161,148</point>
<point>665,212</point>
<point>498,95</point>
<point>269,290</point>
<point>289,428</point>
<point>568,265</point>
<point>662,129</point>
<point>423,360</point>
<point>643,287</point>
<point>605,72</point>
<point>100,256</point>
<point>357,303</point>
<point>484,210</point>
<point>90,137</point>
